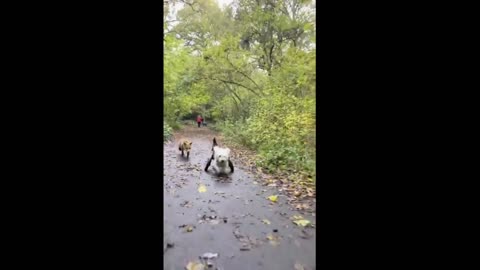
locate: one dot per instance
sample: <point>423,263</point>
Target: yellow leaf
<point>302,222</point>
<point>266,221</point>
<point>273,198</point>
<point>273,240</point>
<point>195,266</point>
<point>202,188</point>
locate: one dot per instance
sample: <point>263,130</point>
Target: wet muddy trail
<point>231,216</point>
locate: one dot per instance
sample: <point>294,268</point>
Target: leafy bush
<point>235,131</point>
<point>167,132</point>
<point>282,130</point>
<point>251,71</point>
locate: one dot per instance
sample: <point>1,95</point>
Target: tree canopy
<point>250,67</point>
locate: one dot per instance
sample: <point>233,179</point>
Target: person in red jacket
<point>199,120</point>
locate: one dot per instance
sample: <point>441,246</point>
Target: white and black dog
<point>221,157</point>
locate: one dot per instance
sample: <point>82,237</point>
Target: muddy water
<point>228,216</point>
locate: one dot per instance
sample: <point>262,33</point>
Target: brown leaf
<point>301,206</point>
<point>244,248</point>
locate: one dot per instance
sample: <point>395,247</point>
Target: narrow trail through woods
<point>231,216</point>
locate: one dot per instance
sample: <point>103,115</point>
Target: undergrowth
<point>167,131</point>
<point>279,153</point>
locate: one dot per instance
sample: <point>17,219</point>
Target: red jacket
<point>199,119</point>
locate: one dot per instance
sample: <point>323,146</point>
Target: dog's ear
<point>214,143</point>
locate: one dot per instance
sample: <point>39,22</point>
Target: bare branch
<point>235,83</point>
<point>238,70</point>
<point>190,4</point>
<point>233,92</point>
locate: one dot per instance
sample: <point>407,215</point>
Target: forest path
<point>232,216</point>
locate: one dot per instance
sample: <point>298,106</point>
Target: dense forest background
<point>249,67</point>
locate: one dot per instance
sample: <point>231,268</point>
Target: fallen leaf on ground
<point>202,188</point>
<point>245,248</point>
<point>273,239</point>
<point>299,267</point>
<point>301,222</point>
<point>305,235</point>
<point>186,204</point>
<point>266,221</point>
<point>237,234</point>
<point>273,198</point>
<point>195,266</point>
<point>301,206</point>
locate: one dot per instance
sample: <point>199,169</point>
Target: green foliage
<point>182,92</point>
<point>282,129</point>
<point>251,68</point>
<point>167,131</point>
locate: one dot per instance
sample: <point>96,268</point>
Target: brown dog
<point>185,145</point>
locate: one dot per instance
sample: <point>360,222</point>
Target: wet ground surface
<point>231,217</point>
